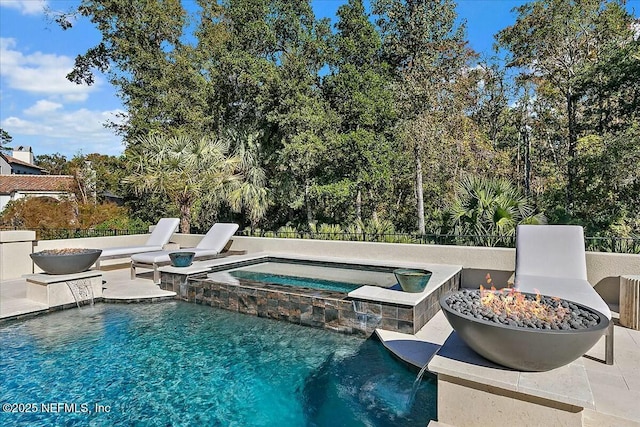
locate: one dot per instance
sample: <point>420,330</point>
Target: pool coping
<point>441,274</point>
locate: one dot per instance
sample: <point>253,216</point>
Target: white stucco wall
<point>15,247</point>
<point>603,269</point>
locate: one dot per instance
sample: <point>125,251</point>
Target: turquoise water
<point>184,364</point>
<point>280,279</point>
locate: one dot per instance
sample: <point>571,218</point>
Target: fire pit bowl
<point>524,348</point>
<point>65,261</point>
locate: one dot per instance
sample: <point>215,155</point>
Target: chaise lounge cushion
<point>550,259</point>
<point>211,244</point>
<point>128,250</point>
<point>158,238</point>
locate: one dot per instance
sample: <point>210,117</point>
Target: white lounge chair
<point>551,260</point>
<point>209,247</point>
<point>159,237</point>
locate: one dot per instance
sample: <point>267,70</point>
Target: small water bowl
<point>411,279</point>
<point>181,259</point>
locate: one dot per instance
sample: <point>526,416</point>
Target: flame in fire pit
<point>513,303</point>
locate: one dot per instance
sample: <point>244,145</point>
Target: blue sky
<point>40,108</point>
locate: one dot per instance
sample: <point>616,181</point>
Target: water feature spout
<point>81,290</point>
<point>361,315</point>
<point>416,385</point>
<point>364,315</point>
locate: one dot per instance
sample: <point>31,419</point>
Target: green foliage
<point>124,223</point>
<point>489,206</point>
<point>141,51</point>
<point>48,213</point>
<point>360,122</point>
<point>557,44</point>
<point>5,139</point>
<point>609,195</point>
<point>251,193</point>
<point>429,59</point>
<point>54,164</point>
<point>288,232</point>
<point>326,231</point>
<point>184,169</point>
<point>357,89</point>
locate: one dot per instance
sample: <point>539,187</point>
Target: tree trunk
<point>419,190</point>
<point>518,158</point>
<point>185,218</point>
<point>359,205</point>
<point>527,162</point>
<point>307,202</point>
<point>573,142</point>
<point>374,212</point>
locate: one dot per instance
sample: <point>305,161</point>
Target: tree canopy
<point>381,116</point>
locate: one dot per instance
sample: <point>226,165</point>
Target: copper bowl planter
<point>411,279</point>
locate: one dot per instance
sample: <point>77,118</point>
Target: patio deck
<point>616,388</point>
<point>117,287</point>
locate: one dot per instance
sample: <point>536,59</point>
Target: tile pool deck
<point>615,388</point>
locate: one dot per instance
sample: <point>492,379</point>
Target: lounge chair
<point>209,247</point>
<point>550,259</point>
<point>159,237</point>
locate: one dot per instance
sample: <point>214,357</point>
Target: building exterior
<point>14,187</point>
<point>20,177</point>
<point>19,163</point>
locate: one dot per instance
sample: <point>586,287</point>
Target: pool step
<point>433,423</point>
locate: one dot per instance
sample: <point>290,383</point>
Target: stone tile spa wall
<point>319,309</point>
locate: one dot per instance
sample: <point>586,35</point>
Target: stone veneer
<point>309,307</point>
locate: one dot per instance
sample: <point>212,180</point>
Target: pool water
<point>306,282</point>
<point>323,276</point>
<point>176,363</point>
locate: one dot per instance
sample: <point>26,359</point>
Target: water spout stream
<point>361,315</point>
<point>81,290</point>
<point>416,385</point>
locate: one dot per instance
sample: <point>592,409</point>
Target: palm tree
<point>490,207</point>
<point>251,193</point>
<point>184,169</point>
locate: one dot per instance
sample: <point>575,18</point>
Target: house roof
<point>12,183</point>
<point>13,160</point>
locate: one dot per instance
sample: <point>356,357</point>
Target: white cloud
<point>76,97</point>
<point>26,7</point>
<point>42,107</point>
<point>40,73</point>
<point>66,131</point>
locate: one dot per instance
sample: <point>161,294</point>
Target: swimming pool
<point>175,363</point>
<point>320,277</point>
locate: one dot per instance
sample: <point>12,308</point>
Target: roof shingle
<point>12,183</point>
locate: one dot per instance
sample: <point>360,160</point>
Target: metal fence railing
<point>75,233</point>
<point>596,244</point>
<point>625,245</point>
<point>629,245</point>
